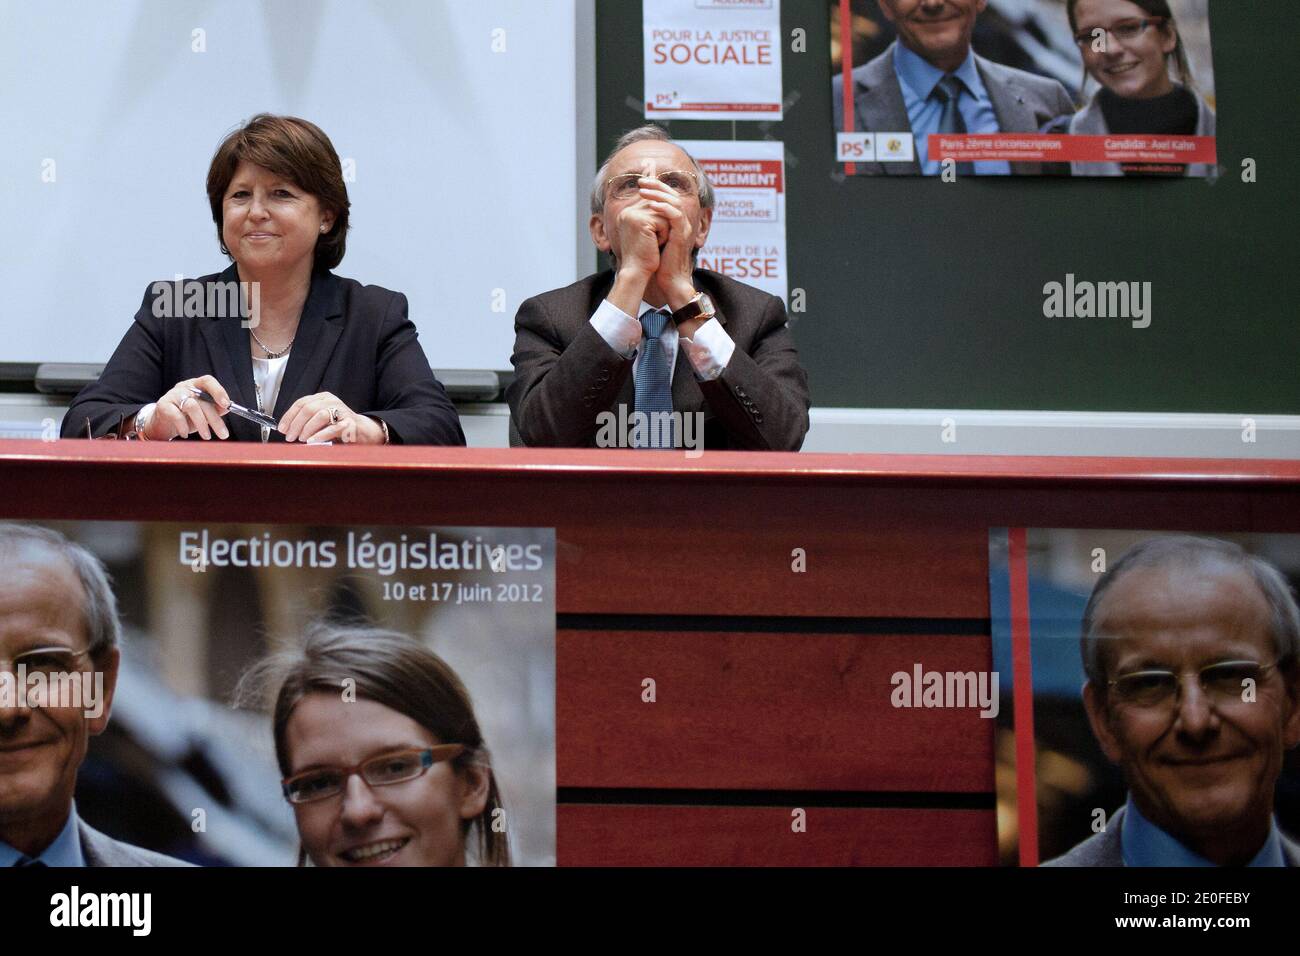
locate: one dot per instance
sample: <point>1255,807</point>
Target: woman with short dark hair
<point>276,347</point>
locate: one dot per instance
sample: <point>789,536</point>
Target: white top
<point>709,352</point>
<point>268,373</point>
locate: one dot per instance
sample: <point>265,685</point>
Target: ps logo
<point>855,147</point>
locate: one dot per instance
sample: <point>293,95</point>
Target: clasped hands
<point>656,242</point>
<point>318,418</point>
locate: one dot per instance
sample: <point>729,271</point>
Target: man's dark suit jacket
<point>353,341</point>
<point>566,374</point>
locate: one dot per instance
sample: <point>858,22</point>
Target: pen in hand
<point>259,418</point>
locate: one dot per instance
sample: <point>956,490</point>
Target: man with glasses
<point>930,81</point>
<point>656,335</point>
<point>58,629</point>
<point>1193,688</point>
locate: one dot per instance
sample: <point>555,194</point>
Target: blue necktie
<point>654,392</point>
<point>26,861</point>
<point>948,91</point>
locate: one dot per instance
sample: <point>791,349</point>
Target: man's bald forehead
<point>1182,597</point>
<point>1160,584</point>
<point>45,561</point>
<point>34,551</point>
<point>630,157</point>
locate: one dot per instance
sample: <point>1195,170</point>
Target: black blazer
<point>566,374</point>
<point>353,340</point>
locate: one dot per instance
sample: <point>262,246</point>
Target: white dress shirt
<point>709,352</point>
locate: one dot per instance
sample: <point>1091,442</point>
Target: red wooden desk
<point>772,686</point>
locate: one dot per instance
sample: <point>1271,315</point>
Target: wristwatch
<point>701,306</point>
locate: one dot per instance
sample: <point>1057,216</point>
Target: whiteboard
<point>459,118</point>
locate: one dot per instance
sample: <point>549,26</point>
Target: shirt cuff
<point>620,331</point>
<point>710,350</point>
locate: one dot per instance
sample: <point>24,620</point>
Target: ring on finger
<point>334,415</point>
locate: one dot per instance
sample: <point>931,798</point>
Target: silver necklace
<point>269,353</point>
<point>266,429</point>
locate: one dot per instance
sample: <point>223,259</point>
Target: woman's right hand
<point>180,412</point>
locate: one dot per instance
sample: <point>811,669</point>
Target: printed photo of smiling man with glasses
<point>58,628</point>
<point>1189,645</point>
<point>1162,673</point>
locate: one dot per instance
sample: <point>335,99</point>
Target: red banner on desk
<point>1056,148</point>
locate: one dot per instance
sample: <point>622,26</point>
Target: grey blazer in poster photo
<point>1023,102</point>
<point>99,849</point>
